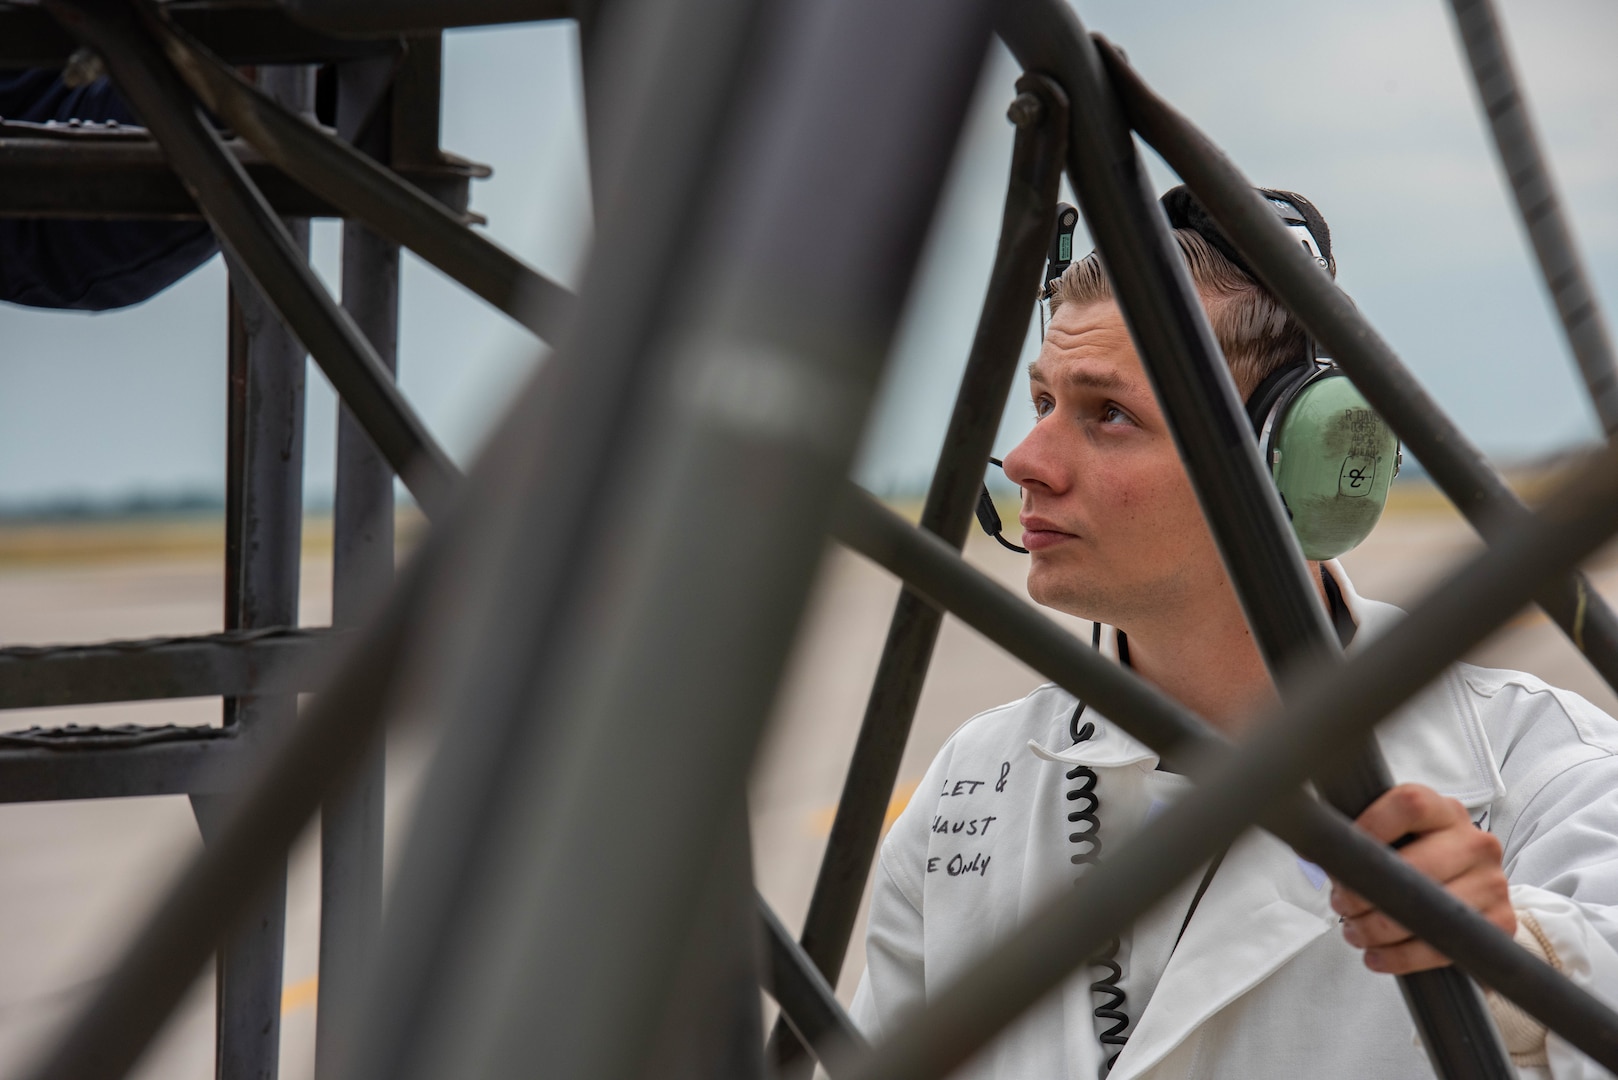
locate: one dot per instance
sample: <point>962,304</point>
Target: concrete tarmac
<point>77,878</point>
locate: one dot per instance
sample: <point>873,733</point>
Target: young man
<point>1261,966</point>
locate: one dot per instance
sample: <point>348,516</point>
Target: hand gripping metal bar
<point>1453,461</point>
<point>806,999</point>
<point>1199,399</point>
<point>1529,174</point>
<point>251,233</point>
<point>1190,746</point>
<point>367,191</point>
<point>1025,231</point>
<point>1328,715</point>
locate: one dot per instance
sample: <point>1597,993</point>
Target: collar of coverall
<point>1437,740</point>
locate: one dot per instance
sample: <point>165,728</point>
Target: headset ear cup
<point>1332,459</point>
<point>1275,388</point>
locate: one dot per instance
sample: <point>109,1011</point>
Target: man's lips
<point>1038,533</point>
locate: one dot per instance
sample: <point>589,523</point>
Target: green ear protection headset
<point>1331,457</point>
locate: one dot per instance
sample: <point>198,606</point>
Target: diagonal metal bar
<point>1538,205</point>
<point>368,191</point>
<point>671,103</point>
<point>1040,112</point>
<point>249,231</point>
<point>1328,716</point>
<point>767,383</point>
<point>1193,384</point>
<point>1188,373</point>
<point>1453,461</point>
<point>342,721</point>
<point>1190,746</point>
<point>807,1001</point>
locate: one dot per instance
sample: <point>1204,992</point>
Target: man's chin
<point>1049,587</point>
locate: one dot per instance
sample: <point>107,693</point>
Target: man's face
<point>1108,514</point>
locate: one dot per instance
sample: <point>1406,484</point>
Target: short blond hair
<point>1256,333</point>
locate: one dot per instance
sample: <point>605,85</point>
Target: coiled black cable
<point>1084,813</point>
<point>1112,1008</point>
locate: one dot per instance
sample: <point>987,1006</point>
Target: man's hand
<point>1446,847</point>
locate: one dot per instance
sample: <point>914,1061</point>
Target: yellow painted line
<point>820,821</point>
<point>300,995</point>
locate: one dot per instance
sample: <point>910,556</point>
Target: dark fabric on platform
<point>87,265</point>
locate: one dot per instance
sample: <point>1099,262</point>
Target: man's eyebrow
<point>1095,380</point>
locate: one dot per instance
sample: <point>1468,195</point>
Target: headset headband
<point>1295,212</point>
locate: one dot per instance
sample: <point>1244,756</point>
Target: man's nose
<point>1034,462</point>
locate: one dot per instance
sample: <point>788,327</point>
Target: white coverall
<point>1261,984</point>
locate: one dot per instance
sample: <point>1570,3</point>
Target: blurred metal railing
<point>1040,115</point>
<point>577,621</point>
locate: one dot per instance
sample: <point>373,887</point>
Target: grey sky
<point>1363,107</point>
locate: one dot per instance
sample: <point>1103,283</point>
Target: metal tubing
<point>713,1025</point>
<point>767,388</point>
<point>177,767</point>
<point>362,569</point>
<point>592,65</point>
<point>263,556</point>
<point>389,17</point>
<point>672,107</point>
<point>249,231</point>
<point>1328,715</point>
<point>418,102</point>
<point>1025,231</point>
<point>120,174</point>
<point>1190,746</point>
<point>247,975</point>
<point>365,190</point>
<point>264,488</point>
<point>289,779</point>
<point>274,660</point>
<point>807,1000</point>
<point>1453,461</point>
<point>1538,205</point>
<point>1199,399</point>
<point>242,33</point>
<point>328,743</point>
